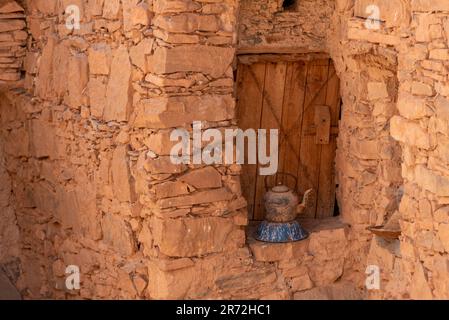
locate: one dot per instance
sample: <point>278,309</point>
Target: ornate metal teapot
<point>282,207</point>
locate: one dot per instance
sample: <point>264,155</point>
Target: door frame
<point>249,56</point>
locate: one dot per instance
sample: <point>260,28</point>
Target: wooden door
<point>301,99</point>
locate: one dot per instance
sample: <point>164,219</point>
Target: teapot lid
<point>280,188</point>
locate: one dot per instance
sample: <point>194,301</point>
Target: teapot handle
<point>281,173</point>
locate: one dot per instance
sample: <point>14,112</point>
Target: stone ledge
<point>324,230</point>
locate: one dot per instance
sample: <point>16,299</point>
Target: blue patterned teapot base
<point>281,232</point>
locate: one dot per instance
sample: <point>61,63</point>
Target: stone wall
<point>266,24</point>
<point>421,269</point>
<point>368,159</point>
<point>92,182</point>
<point>398,69</point>
<point>410,47</point>
<point>9,230</point>
<point>89,182</point>
<point>12,40</point>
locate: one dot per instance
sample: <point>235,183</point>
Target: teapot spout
<point>307,202</point>
<point>300,209</point>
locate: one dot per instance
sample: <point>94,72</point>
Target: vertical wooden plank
<point>249,109</point>
<point>271,119</point>
<point>326,192</point>
<point>283,142</point>
<point>308,172</point>
<point>292,117</point>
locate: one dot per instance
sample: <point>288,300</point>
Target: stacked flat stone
<point>85,170</point>
<point>12,40</point>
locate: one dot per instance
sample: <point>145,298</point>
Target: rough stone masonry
<point>86,177</point>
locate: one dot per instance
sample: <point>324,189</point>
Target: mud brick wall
<point>13,38</point>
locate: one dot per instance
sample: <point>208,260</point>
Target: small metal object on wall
<point>322,124</point>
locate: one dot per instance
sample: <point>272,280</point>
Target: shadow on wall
<point>13,39</point>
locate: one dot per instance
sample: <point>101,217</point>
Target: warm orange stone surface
<point>86,179</point>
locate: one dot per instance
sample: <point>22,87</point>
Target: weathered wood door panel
<point>292,97</point>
